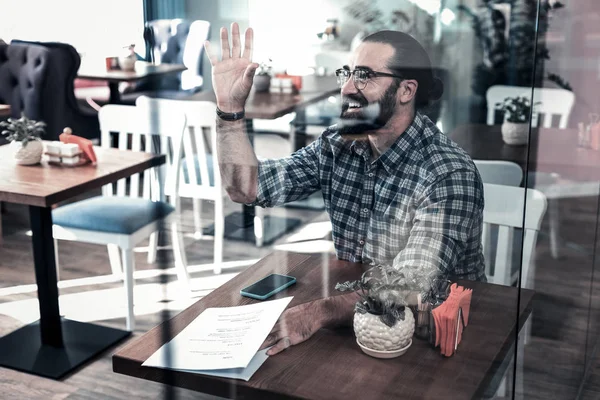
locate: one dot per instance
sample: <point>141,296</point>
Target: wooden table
<point>5,110</point>
<point>52,347</point>
<point>330,365</point>
<point>98,71</point>
<point>550,150</point>
<point>266,105</point>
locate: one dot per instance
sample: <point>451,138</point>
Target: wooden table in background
<point>52,347</point>
<point>551,150</point>
<point>97,71</point>
<point>330,365</point>
<point>5,110</point>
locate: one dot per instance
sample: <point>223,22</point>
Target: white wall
<point>98,28</point>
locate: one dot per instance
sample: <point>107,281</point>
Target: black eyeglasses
<point>361,76</point>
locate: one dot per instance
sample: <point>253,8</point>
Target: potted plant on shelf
<point>25,137</point>
<point>262,80</point>
<point>515,128</point>
<point>383,322</point>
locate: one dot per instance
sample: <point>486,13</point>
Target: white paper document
<point>222,341</point>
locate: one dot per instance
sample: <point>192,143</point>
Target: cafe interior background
<point>484,52</point>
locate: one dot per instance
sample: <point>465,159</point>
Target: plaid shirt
<point>419,205</point>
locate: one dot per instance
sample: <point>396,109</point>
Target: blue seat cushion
<point>211,170</point>
<point>123,215</point>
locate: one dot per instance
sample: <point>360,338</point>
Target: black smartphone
<point>268,286</point>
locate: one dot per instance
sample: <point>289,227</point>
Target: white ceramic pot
<point>515,134</point>
<point>376,335</point>
<point>262,83</point>
<point>30,154</point>
<point>127,63</point>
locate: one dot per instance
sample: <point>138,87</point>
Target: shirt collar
<point>390,159</point>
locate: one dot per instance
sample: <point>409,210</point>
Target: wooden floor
<point>554,358</point>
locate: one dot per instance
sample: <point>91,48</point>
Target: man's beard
<point>369,117</point>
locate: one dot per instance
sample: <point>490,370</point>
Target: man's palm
<point>232,76</point>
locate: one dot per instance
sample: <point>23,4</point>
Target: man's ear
<point>407,90</point>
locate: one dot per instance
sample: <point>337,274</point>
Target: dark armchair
<point>37,79</point>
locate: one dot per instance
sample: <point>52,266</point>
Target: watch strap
<point>235,116</point>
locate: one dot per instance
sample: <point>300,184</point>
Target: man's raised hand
<point>232,76</point>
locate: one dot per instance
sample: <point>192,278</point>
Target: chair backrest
<point>55,94</point>
<point>200,129</point>
<point>504,207</point>
<point>178,41</point>
<point>499,172</point>
<point>546,101</point>
<point>151,131</point>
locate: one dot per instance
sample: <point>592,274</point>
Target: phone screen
<point>268,284</point>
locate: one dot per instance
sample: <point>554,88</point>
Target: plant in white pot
<point>515,128</point>
<point>383,322</point>
<point>25,135</point>
<point>262,80</point>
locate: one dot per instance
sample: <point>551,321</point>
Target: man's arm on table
<point>444,220</point>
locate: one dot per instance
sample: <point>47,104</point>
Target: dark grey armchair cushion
<point>37,79</point>
<point>23,70</point>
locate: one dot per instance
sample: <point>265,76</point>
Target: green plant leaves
<point>22,130</point>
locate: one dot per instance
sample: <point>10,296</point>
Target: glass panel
<point>563,166</point>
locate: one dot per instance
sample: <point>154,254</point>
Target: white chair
<point>124,218</point>
<point>499,172</point>
<point>200,179</point>
<point>551,102</point>
<point>504,207</point>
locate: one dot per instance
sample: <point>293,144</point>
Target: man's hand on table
<point>299,323</point>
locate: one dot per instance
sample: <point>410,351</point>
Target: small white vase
<point>376,335</point>
<point>30,154</point>
<point>515,134</point>
<point>262,83</point>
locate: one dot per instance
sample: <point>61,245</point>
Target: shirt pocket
<point>389,232</point>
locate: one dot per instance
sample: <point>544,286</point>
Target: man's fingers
<point>210,53</point>
<point>280,346</point>
<point>235,40</point>
<point>225,51</point>
<point>270,340</point>
<point>249,73</point>
<point>248,44</point>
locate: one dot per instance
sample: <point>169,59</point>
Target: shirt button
<point>365,210</point>
<point>361,242</point>
<point>371,174</point>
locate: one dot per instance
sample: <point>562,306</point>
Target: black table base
<point>23,349</point>
<point>238,226</point>
<point>52,347</point>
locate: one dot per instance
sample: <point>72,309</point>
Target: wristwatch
<point>236,116</point>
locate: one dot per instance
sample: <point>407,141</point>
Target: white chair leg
<point>197,205</point>
<point>152,247</point>
<point>554,227</point>
<point>179,256</point>
<point>114,257</point>
<point>56,260</point>
<point>129,266</point>
<point>259,226</point>
<point>219,235</point>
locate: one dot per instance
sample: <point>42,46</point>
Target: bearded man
<point>397,190</point>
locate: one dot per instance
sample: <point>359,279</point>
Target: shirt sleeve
<point>445,238</point>
<point>289,179</point>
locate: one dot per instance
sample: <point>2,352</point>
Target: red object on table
<point>451,318</point>
<point>296,80</point>
<point>86,146</point>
